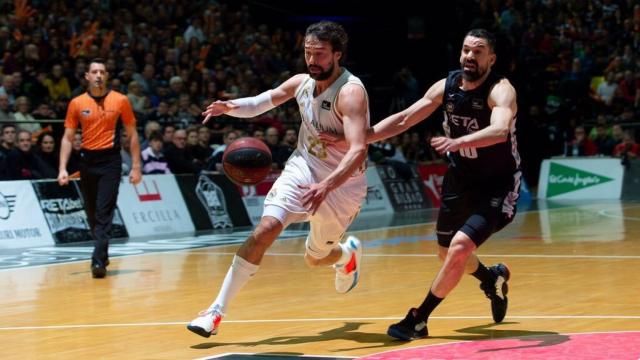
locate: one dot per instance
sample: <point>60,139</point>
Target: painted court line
<point>533,256</point>
<point>264,321</point>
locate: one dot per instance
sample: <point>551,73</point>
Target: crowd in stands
<point>574,63</point>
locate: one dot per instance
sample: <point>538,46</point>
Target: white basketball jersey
<point>319,115</point>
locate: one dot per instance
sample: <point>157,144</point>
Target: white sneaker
<point>347,275</point>
<point>207,322</point>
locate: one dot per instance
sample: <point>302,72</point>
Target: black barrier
<point>214,202</point>
<point>63,207</point>
<point>404,186</point>
<point>631,181</point>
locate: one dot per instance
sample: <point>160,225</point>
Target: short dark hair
<point>331,32</point>
<point>484,34</point>
<point>96,61</point>
<point>6,126</point>
<point>155,135</point>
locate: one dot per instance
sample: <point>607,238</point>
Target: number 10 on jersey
<point>470,152</point>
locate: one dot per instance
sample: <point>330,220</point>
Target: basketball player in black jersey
<point>482,184</point>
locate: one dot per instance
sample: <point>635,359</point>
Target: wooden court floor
<point>574,270</point>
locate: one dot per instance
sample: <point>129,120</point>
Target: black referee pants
<point>99,182</point>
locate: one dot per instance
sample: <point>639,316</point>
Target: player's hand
<point>314,196</point>
<point>217,108</point>
<point>63,177</point>
<point>442,144</point>
<point>135,176</point>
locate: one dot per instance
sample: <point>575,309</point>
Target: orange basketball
<point>247,161</point>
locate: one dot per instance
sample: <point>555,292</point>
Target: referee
<point>100,112</point>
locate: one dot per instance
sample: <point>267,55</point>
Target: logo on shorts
<point>326,105</point>
<point>86,112</point>
<point>272,193</point>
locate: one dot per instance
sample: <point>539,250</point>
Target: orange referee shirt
<point>98,118</point>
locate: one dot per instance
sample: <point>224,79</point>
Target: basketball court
<point>574,294</point>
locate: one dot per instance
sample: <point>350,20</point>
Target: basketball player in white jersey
<point>322,185</point>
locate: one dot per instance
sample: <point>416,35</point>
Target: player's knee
<point>267,230</point>
<point>459,252</point>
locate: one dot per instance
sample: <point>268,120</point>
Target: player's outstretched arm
<point>253,106</point>
<point>400,121</point>
<point>403,120</point>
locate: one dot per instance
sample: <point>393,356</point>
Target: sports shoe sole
<point>393,332</point>
<point>198,330</point>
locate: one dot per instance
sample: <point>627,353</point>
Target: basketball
<point>247,161</point>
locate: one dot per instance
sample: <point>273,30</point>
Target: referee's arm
<point>135,176</point>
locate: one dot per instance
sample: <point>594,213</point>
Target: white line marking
<point>533,256</point>
<point>264,321</point>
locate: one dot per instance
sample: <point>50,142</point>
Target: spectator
<point>73,166</point>
<point>167,134</point>
<point>24,118</point>
<point>616,134</point>
<point>628,149</point>
<point>7,89</point>
<point>607,89</point>
<point>272,139</point>
<point>289,144</point>
<point>194,31</point>
<point>603,142</point>
<point>177,158</point>
<point>47,152</point>
<point>8,140</point>
<point>139,102</point>
<point>5,113</point>
<point>153,161</point>
<point>258,134</point>
<point>580,145</point>
<point>22,163</point>
<point>58,84</point>
<point>215,162</point>
<point>149,127</point>
<point>162,115</point>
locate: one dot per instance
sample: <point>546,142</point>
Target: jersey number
<point>317,148</point>
<point>469,152</point>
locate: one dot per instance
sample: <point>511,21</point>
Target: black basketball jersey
<point>466,112</point>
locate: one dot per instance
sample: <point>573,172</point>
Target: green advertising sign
<point>564,179</point>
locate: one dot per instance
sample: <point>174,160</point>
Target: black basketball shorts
<point>477,207</point>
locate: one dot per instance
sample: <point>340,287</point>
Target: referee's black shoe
<point>497,291</point>
<point>98,270</point>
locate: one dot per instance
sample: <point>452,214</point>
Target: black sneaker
<point>497,291</point>
<point>98,271</point>
<point>409,328</point>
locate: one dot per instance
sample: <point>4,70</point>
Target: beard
<point>472,75</point>
<point>323,75</point>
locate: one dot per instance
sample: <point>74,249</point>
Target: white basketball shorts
<point>333,217</point>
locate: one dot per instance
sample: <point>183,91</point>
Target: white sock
<point>346,255</point>
<point>238,275</point>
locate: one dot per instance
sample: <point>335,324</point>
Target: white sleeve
<point>252,106</point>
